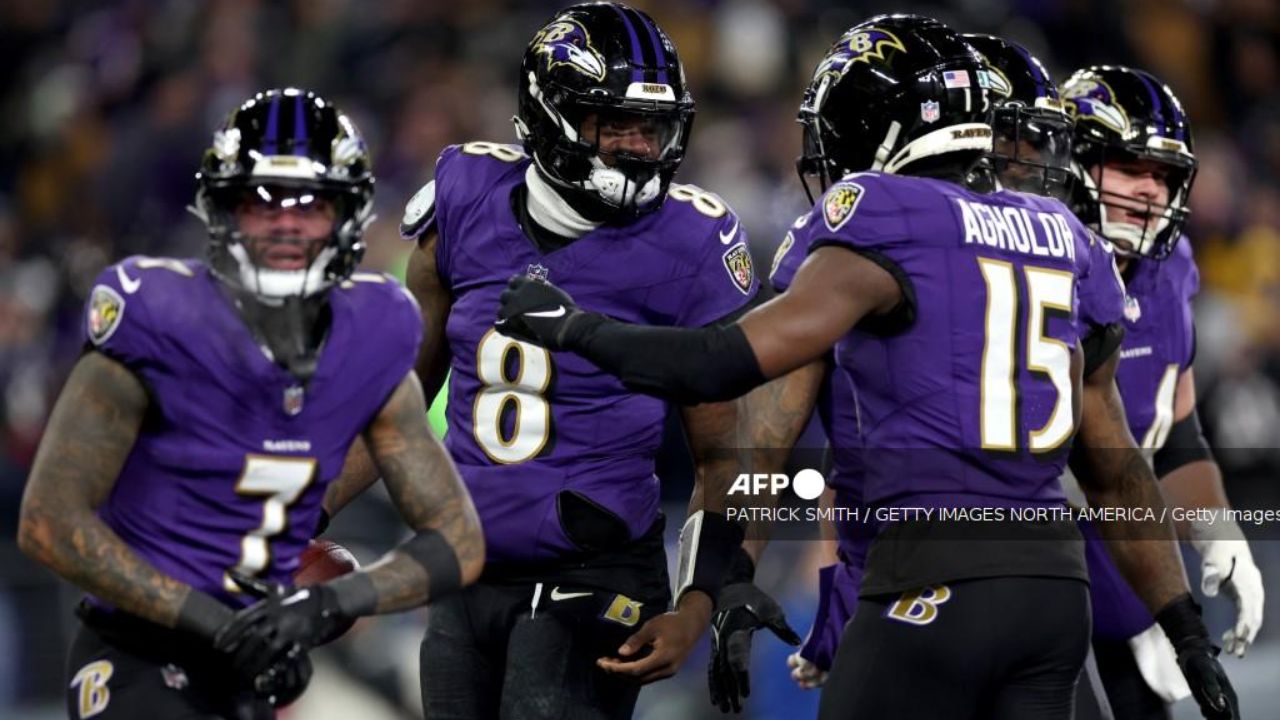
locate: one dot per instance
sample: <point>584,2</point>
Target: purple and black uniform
<point>1100,297</point>
<point>528,426</point>
<point>1159,345</point>
<point>558,455</point>
<point>231,466</point>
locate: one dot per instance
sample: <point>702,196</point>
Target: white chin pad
<point>617,189</point>
<point>278,284</point>
<point>1133,236</point>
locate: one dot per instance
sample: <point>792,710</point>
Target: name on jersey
<point>286,445</point>
<point>1042,234</point>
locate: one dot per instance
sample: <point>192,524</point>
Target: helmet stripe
<point>637,75</point>
<point>1043,85</point>
<point>1157,104</point>
<point>657,48</point>
<point>271,135</point>
<point>299,128</point>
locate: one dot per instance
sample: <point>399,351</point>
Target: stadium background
<point>105,109</point>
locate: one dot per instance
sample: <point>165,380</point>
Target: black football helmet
<point>1032,148</point>
<point>604,65</point>
<point>1125,114</point>
<point>285,148</point>
<point>892,91</point>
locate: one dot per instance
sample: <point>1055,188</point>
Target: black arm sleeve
<point>1184,445</point>
<point>1099,344</point>
<point>685,366</point>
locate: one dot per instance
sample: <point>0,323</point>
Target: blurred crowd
<point>106,107</point>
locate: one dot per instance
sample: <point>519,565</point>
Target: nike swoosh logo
<point>557,595</point>
<point>129,284</point>
<point>558,312</point>
<point>296,597</point>
<point>726,238</point>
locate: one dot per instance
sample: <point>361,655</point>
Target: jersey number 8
<point>522,398</point>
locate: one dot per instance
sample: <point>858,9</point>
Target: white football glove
<point>1226,563</point>
<point>806,674</point>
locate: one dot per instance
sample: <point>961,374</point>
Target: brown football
<point>323,560</point>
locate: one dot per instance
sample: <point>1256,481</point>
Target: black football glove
<point>285,681</point>
<point>1198,659</point>
<point>536,311</point>
<point>742,609</point>
<point>284,623</point>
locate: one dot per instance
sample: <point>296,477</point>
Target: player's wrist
<point>202,615</point>
<point>349,597</point>
<point>578,329</point>
<point>1180,619</point>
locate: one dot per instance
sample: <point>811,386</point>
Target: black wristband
<point>1181,622</point>
<point>708,542</point>
<point>436,556</point>
<point>1183,445</point>
<point>202,615</point>
<point>323,524</point>
<point>354,594</point>
<point>742,569</point>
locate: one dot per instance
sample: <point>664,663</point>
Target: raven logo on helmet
<point>868,43</point>
<point>1093,100</point>
<point>566,42</point>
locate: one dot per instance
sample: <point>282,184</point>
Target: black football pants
<point>1007,648</point>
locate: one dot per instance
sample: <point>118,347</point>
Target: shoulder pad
<point>419,212</point>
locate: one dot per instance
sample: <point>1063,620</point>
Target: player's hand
<point>743,609</point>
<point>1208,682</point>
<point>1228,564</point>
<point>284,682</point>
<point>670,638</point>
<point>805,674</point>
<point>536,311</point>
<point>284,622</point>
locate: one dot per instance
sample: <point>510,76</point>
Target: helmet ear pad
<point>596,61</point>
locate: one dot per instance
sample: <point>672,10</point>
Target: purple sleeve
<point>117,320</point>
<point>1187,279</point>
<point>1101,291</point>
<point>724,280</point>
<point>788,258</point>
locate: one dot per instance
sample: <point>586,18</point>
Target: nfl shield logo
<point>929,111</point>
<point>1132,310</point>
<point>536,272</point>
<point>293,400</point>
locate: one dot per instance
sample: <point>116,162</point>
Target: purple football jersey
<point>1159,344</point>
<point>232,470</point>
<point>1099,292</point>
<point>971,403</point>
<point>526,424</point>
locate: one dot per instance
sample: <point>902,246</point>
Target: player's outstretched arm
<point>1113,473</point>
<point>434,302</point>
<point>89,436</point>
<point>833,290</point>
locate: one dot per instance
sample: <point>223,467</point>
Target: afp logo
<point>808,484</point>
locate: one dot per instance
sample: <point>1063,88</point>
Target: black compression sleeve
<point>683,365</point>
<point>1184,445</point>
<point>1099,344</point>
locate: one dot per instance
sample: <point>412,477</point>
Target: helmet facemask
<point>1152,229</point>
<point>1032,150</point>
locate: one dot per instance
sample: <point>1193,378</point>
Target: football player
<point>1031,153</point>
<point>188,452</point>
<point>570,617</point>
<point>960,406</point>
<point>1135,162</point>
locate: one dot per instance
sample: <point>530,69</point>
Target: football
<point>323,560</point>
